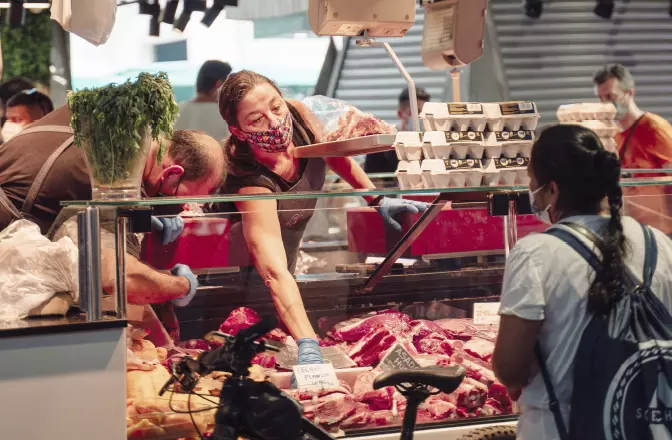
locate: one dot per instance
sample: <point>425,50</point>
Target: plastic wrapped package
<point>33,269</point>
<point>344,121</point>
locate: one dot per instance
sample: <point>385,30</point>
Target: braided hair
<point>587,177</point>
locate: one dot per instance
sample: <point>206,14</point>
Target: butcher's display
<point>367,339</point>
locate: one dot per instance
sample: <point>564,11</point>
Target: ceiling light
<point>17,14</point>
<point>217,7</point>
<point>168,15</point>
<point>149,7</point>
<point>604,8</point>
<point>189,6</point>
<point>29,4</point>
<point>533,8</point>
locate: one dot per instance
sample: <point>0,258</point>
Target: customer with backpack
<point>603,339</point>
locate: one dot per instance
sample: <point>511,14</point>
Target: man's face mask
<point>10,129</point>
<point>621,105</point>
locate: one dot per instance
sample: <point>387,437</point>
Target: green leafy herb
<point>109,122</point>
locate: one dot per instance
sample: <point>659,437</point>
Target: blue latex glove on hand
<point>309,353</point>
<point>390,208</point>
<point>181,270</point>
<point>171,226</point>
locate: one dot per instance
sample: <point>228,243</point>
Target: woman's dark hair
<point>586,174</point>
<point>34,100</point>
<point>239,155</point>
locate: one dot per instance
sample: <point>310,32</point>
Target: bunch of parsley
<point>110,121</point>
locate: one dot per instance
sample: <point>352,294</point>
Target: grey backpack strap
<point>41,176</point>
<point>9,206</point>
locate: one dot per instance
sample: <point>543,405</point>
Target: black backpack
<point>623,366</point>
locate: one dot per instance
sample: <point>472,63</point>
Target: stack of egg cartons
<point>468,144</point>
<point>597,116</point>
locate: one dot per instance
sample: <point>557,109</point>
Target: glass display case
<point>367,288</point>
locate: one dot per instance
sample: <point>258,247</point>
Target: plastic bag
<point>33,269</point>
<point>344,121</point>
<point>92,20</point>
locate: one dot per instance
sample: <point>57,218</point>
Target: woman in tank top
<point>265,129</point>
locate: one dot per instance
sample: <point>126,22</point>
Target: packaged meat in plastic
<point>344,121</point>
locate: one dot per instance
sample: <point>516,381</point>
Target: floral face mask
<point>275,140</point>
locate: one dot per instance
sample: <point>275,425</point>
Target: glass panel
<point>651,205</point>
<point>332,250</point>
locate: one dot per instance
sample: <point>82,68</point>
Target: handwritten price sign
<point>486,313</point>
<point>315,376</point>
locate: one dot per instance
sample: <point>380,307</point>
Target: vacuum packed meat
<point>354,123</point>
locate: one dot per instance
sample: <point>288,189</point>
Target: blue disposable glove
<point>170,226</point>
<point>309,353</point>
<point>390,208</point>
<point>181,270</point>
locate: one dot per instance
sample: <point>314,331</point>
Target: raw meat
<point>354,124</point>
<point>470,394</point>
<point>440,409</point>
<point>244,317</point>
<point>264,360</point>
<point>355,329</point>
<point>239,319</point>
<point>465,329</point>
<point>367,351</point>
<point>382,418</point>
<point>431,360</point>
<point>498,392</point>
<point>479,348</point>
<point>360,419</point>
<point>377,399</point>
<point>435,345</point>
<point>423,328</point>
<point>309,395</point>
<point>334,408</point>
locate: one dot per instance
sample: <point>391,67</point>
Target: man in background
<point>10,88</point>
<point>386,162</point>
<point>645,142</point>
<point>202,113</point>
<point>23,109</point>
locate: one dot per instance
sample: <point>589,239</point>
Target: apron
<point>293,215</point>
<point>24,213</point>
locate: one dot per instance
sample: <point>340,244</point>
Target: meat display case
<point>352,268</point>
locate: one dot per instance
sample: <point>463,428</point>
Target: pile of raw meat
<point>354,124</point>
<point>367,339</point>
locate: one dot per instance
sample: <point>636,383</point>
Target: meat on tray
<point>367,339</point>
<point>355,124</point>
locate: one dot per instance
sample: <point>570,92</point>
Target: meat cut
<point>354,124</point>
<point>356,328</point>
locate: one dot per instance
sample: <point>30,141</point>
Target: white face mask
<point>542,214</point>
<point>10,129</point>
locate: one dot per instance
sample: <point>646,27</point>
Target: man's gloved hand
<point>181,270</point>
<point>390,208</point>
<point>171,226</point>
<point>309,353</point>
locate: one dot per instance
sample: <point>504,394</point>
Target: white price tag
<point>486,313</point>
<point>525,106</point>
<point>315,376</point>
<point>474,108</point>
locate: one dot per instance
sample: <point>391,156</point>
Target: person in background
<point>202,113</point>
<point>23,109</point>
<point>549,292</point>
<point>645,142</point>
<point>10,88</point>
<point>386,162</point>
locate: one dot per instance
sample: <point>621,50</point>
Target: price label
<point>486,313</point>
<point>399,359</point>
<point>315,376</point>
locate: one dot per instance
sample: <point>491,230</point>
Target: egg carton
<point>506,172</point>
<point>408,145</point>
<point>512,116</point>
<point>409,174</point>
<point>457,116</point>
<point>509,144</point>
<point>586,111</point>
<point>445,173</point>
<point>453,144</point>
<point>604,128</point>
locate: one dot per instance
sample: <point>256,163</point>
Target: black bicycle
<point>261,411</point>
